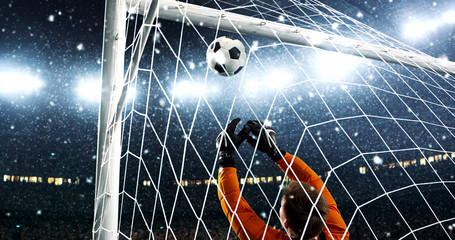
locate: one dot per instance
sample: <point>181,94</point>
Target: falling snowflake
<point>80,47</point>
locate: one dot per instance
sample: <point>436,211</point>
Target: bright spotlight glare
<point>277,78</point>
<point>317,38</point>
<point>251,87</point>
<point>272,81</point>
<point>332,64</point>
<point>189,89</point>
<point>15,82</point>
<point>131,93</point>
<point>90,90</point>
<point>420,28</point>
<point>415,29</point>
<point>267,123</point>
<point>449,17</point>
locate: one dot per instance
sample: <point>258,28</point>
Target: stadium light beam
<point>278,78</point>
<point>449,17</point>
<point>415,29</point>
<point>91,90</point>
<point>332,64</point>
<point>18,83</point>
<point>419,28</point>
<point>189,89</point>
<point>270,82</point>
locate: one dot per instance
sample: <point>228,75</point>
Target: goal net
<point>371,115</point>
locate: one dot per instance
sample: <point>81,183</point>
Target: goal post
<point>116,79</point>
<point>105,223</point>
<point>114,92</point>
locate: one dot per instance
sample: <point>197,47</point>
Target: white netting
<point>381,135</point>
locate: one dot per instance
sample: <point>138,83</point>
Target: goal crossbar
<point>238,23</point>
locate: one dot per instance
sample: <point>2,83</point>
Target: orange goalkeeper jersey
<point>248,225</point>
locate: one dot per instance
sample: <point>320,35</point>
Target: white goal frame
<point>115,82</point>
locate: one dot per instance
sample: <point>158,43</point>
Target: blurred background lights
<point>18,83</point>
<point>317,38</point>
<point>331,64</point>
<point>377,160</point>
<point>277,78</point>
<point>449,17</point>
<point>418,28</point>
<point>272,80</point>
<point>187,88</point>
<point>90,90</point>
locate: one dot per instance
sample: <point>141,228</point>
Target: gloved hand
<point>227,141</point>
<point>265,140</point>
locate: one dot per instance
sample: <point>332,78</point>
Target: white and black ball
<point>226,56</point>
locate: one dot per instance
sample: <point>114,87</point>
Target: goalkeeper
<point>296,205</point>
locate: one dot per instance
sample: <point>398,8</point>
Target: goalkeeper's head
<point>295,210</point>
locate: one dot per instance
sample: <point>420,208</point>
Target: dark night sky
<point>51,119</point>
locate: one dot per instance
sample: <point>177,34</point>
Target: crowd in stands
<point>36,228</point>
<point>43,211</point>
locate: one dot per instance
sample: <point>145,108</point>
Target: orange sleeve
<point>298,170</point>
<point>244,221</point>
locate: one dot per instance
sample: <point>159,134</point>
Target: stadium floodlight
<point>250,87</point>
<point>415,29</point>
<point>330,64</point>
<point>90,90</point>
<point>271,81</point>
<point>449,17</point>
<point>277,78</point>
<point>422,27</point>
<point>187,88</point>
<point>18,83</point>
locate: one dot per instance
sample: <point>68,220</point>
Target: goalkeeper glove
<point>227,141</point>
<point>265,140</point>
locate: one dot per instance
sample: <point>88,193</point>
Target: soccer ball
<point>226,56</point>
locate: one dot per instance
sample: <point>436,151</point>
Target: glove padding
<point>266,140</point>
<point>227,141</point>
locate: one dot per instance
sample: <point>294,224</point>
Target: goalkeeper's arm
<point>241,216</point>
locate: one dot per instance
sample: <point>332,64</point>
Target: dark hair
<point>297,207</point>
